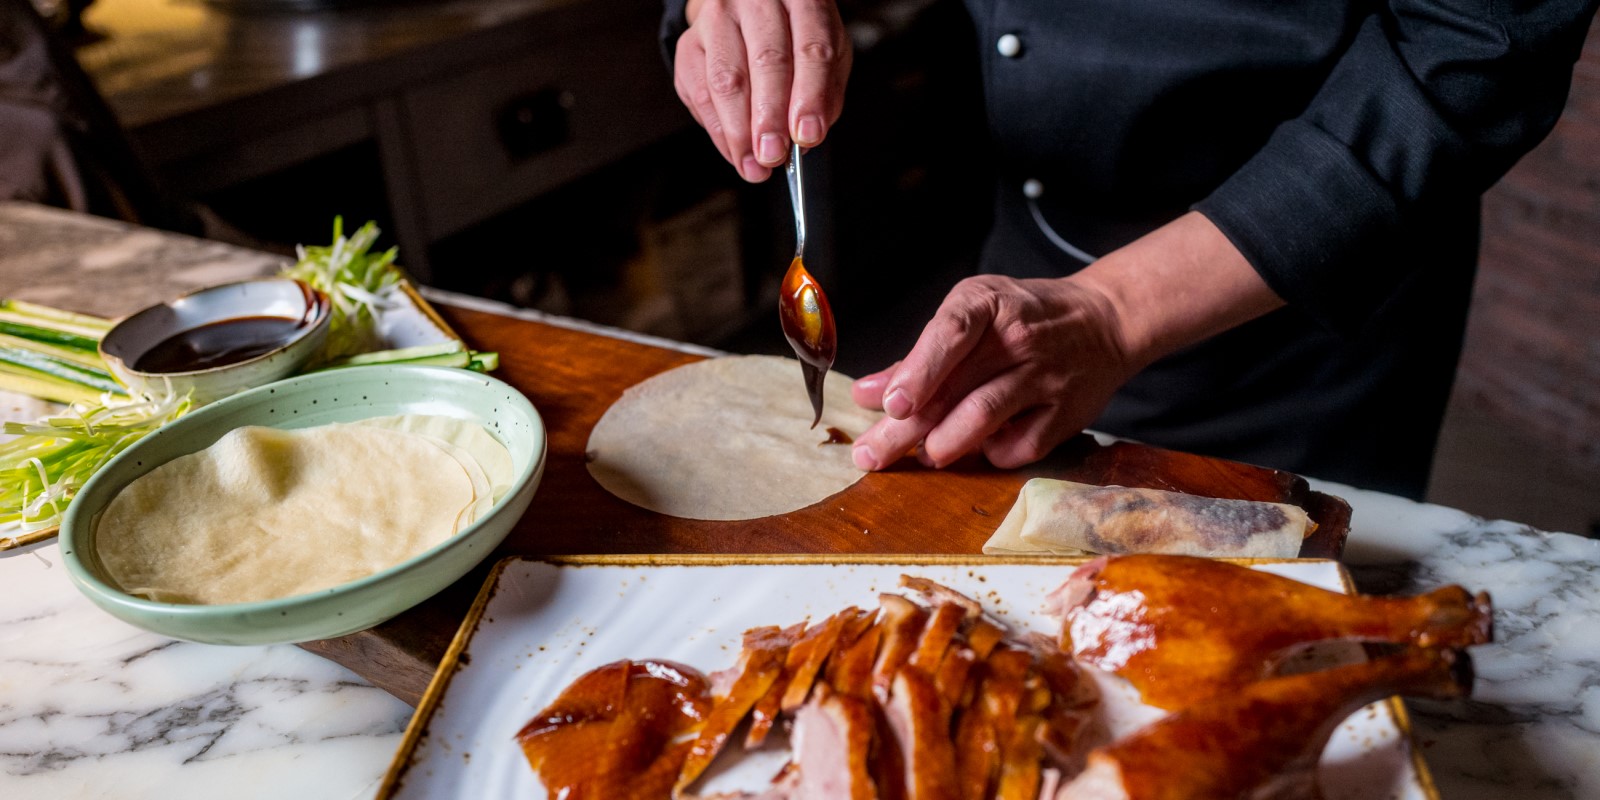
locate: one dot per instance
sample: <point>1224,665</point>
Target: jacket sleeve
<point>1432,102</point>
<point>673,24</point>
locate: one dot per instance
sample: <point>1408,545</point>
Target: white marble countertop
<point>93,708</point>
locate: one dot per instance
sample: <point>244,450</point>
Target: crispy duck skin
<point>628,719</point>
<point>1262,740</point>
<point>902,622</point>
<point>765,712</point>
<point>984,635</point>
<point>938,594</point>
<point>760,663</point>
<point>849,671</point>
<point>1019,769</point>
<point>936,638</point>
<point>952,678</point>
<point>919,723</point>
<point>811,651</point>
<point>1179,628</point>
<point>993,710</point>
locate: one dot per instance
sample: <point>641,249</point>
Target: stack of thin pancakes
<point>267,513</point>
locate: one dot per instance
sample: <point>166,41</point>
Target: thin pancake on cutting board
<point>727,438</point>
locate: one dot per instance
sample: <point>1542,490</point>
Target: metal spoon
<point>802,307</point>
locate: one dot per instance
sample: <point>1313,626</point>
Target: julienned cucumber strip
<point>55,317</point>
<point>35,333</point>
<point>484,362</point>
<point>44,366</point>
<point>52,390</point>
<point>401,354</point>
<point>28,358</point>
<point>91,360</point>
<point>455,359</point>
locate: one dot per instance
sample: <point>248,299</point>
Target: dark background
<point>533,151</point>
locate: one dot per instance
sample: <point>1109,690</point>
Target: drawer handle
<point>534,122</point>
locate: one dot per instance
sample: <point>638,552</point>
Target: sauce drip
<point>218,344</point>
<point>618,731</point>
<point>808,325</point>
<point>836,436</point>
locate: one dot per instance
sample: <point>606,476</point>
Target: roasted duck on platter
<point>928,696</point>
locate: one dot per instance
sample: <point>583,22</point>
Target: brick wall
<point>1532,356</point>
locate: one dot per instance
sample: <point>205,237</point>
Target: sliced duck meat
<point>833,738</point>
<point>765,712</point>
<point>936,637</point>
<point>760,664</point>
<point>902,622</point>
<point>809,654</point>
<point>920,723</point>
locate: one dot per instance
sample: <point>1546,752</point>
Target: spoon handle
<point>797,196</point>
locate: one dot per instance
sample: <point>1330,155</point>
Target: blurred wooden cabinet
<point>430,117</point>
<point>487,139</point>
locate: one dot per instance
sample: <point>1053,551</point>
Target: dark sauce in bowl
<point>220,343</point>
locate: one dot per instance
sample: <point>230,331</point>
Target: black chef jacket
<point>1341,145</point>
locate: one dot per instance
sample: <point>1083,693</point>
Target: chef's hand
<point>1015,367</point>
<point>1010,366</point>
<point>756,73</point>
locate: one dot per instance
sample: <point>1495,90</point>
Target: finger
<point>868,391</point>
<point>766,38</point>
<point>956,328</point>
<point>821,69</point>
<point>689,73</point>
<point>728,77</point>
<point>888,440</point>
<point>977,415</point>
<point>1030,436</point>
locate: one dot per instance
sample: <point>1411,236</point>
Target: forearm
<point>1176,286</point>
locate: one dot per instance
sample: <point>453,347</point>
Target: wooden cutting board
<point>573,376</point>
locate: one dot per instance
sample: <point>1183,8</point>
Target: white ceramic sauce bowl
<point>137,335</point>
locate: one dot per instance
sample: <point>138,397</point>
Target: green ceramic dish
<point>343,395</point>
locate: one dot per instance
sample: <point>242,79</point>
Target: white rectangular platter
<point>538,625</point>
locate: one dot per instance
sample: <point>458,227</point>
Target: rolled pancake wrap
<point>1066,518</point>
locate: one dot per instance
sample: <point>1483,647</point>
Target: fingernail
<point>771,148</point>
<point>897,404</point>
<point>863,457</point>
<point>753,171</point>
<point>870,383</point>
<point>809,131</point>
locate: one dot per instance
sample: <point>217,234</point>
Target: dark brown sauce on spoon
<point>808,325</point>
<point>220,343</point>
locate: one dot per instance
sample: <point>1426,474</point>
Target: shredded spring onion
<point>43,468</point>
<point>354,281</point>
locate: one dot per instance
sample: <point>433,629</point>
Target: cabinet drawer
<point>493,137</point>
